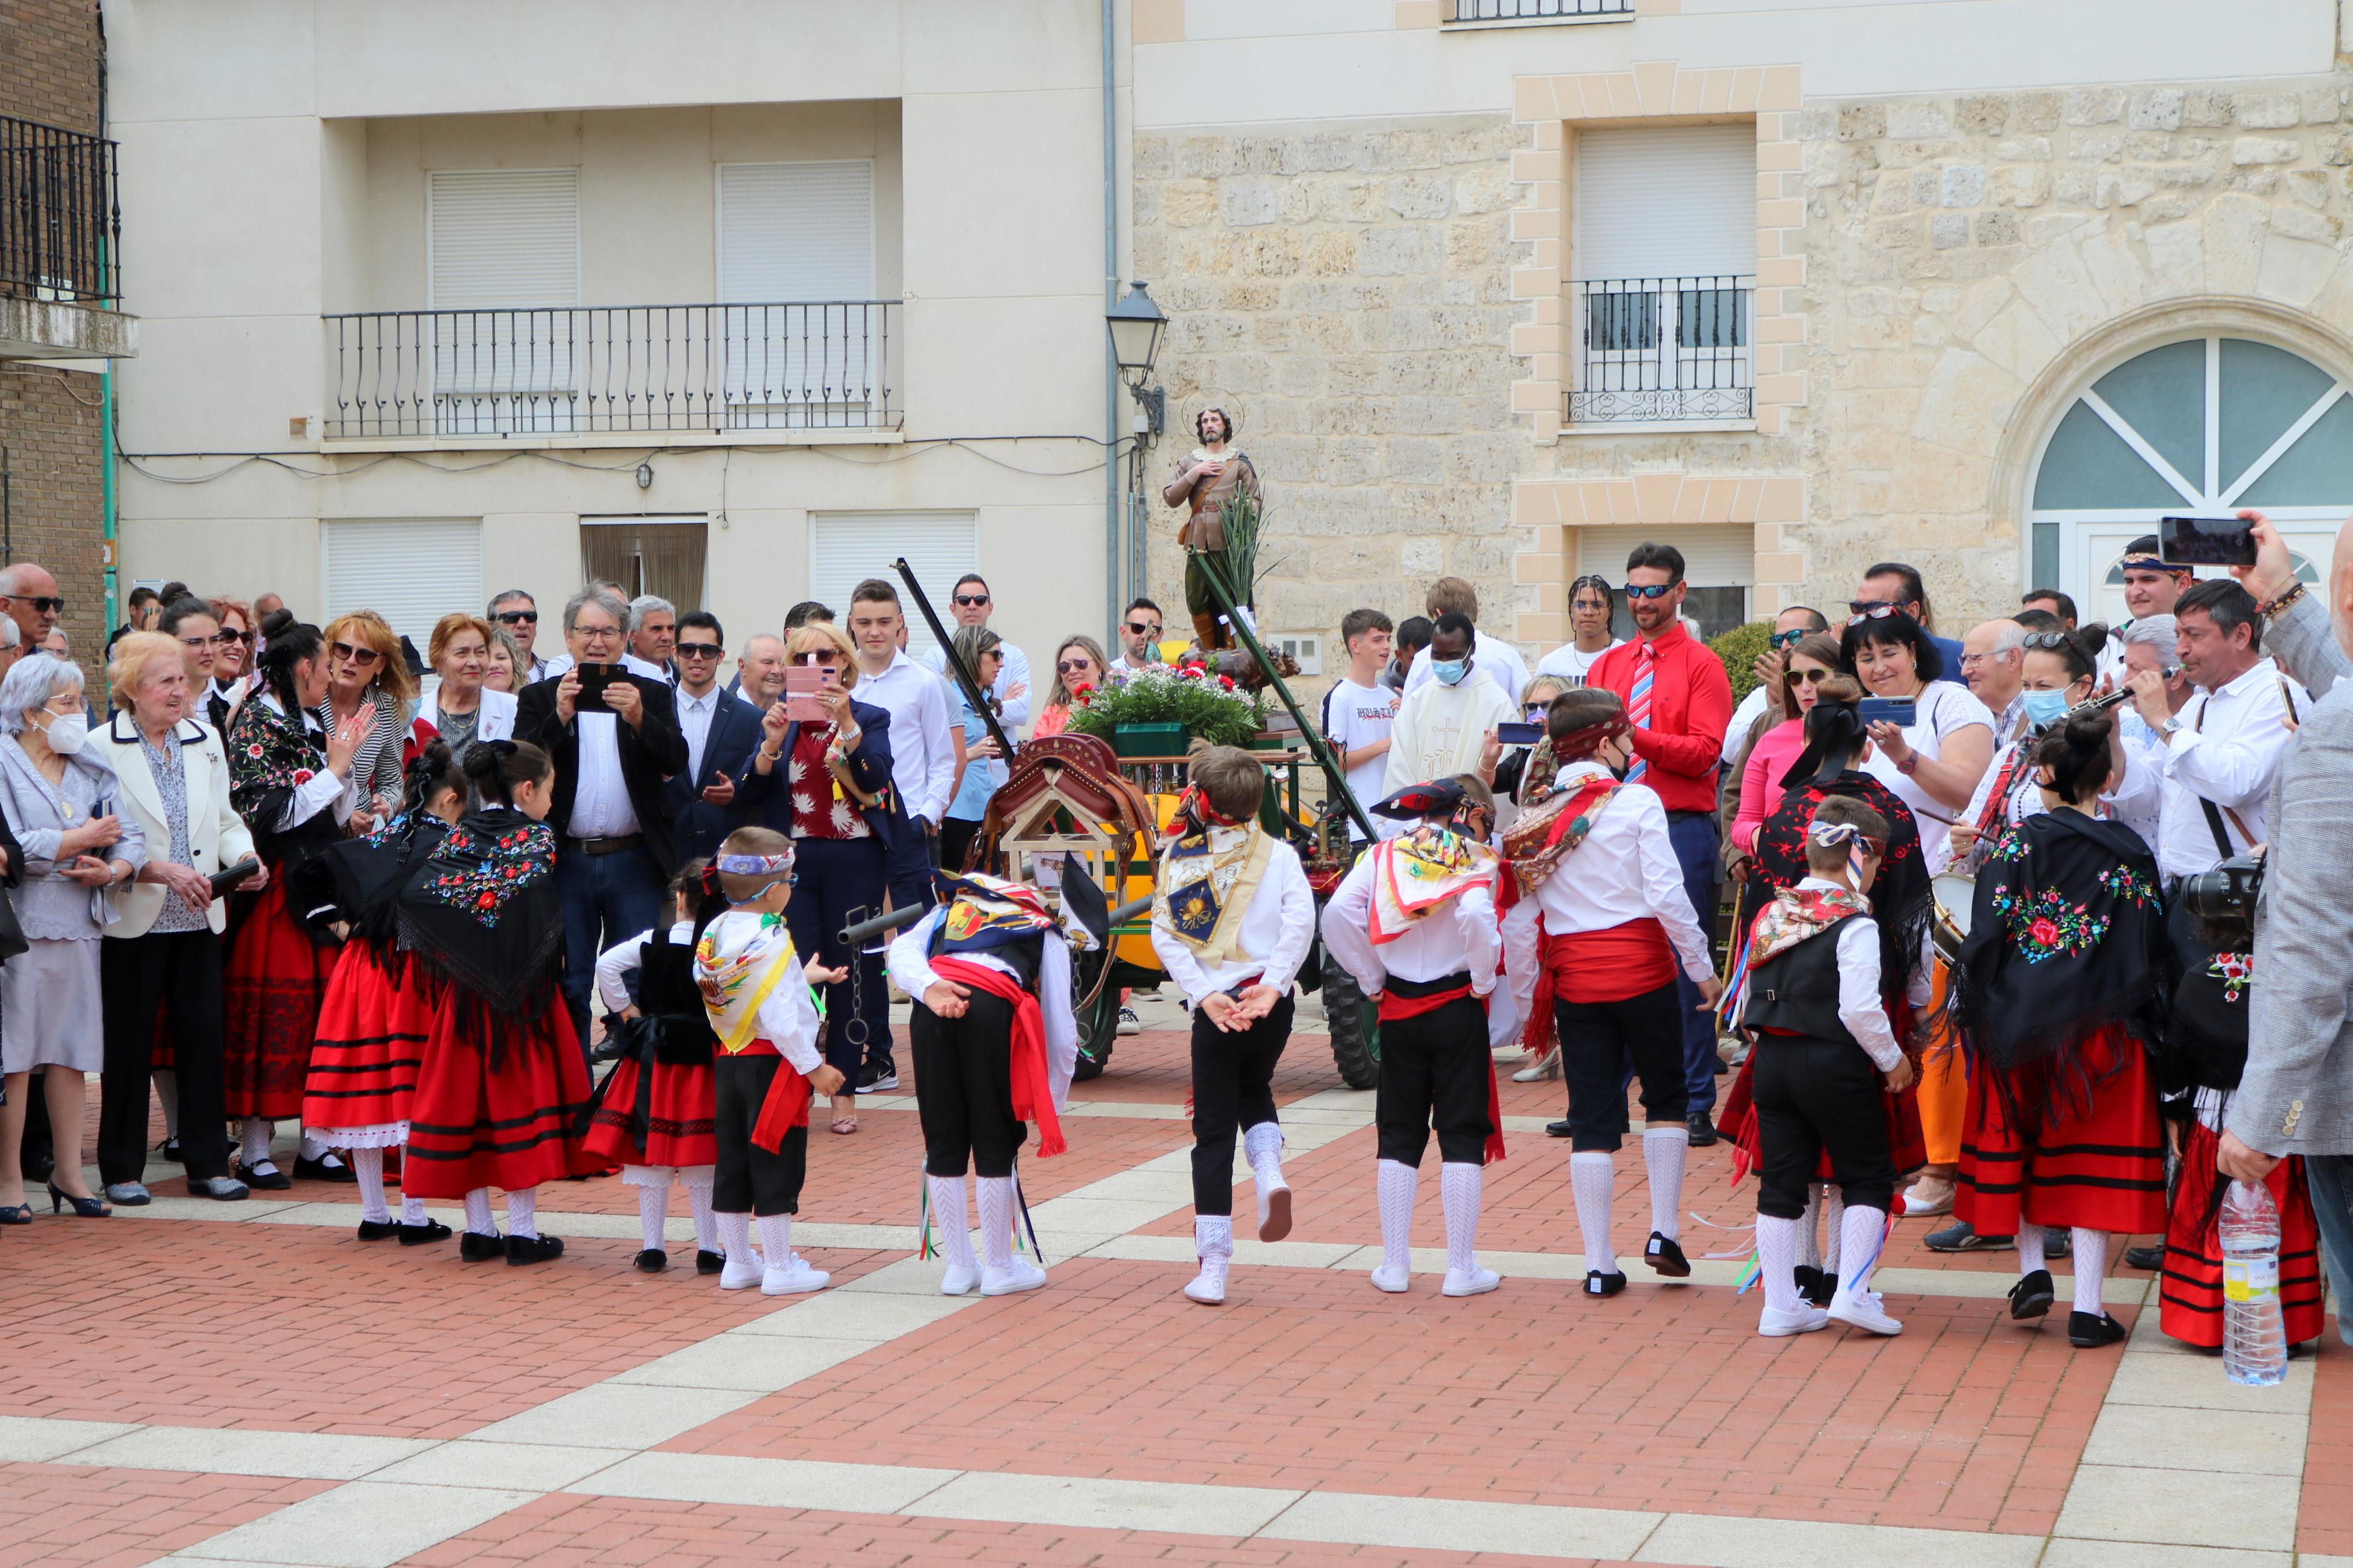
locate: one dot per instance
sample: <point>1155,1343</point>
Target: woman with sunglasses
<point>1813,659</point>
<point>233,660</point>
<point>1078,668</point>
<point>366,672</point>
<point>1592,604</point>
<point>978,768</point>
<point>463,708</point>
<point>1934,763</point>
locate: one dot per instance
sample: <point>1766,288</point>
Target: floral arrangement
<point>1208,705</point>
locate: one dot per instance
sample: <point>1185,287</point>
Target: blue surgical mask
<point>1450,671</point>
<point>2044,707</point>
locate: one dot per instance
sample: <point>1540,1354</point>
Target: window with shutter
<point>410,571</point>
<point>503,270</point>
<point>847,548</point>
<point>1719,565</point>
<point>796,270</point>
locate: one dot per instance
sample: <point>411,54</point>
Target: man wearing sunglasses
<point>1139,636</point>
<point>1890,587</point>
<point>1010,689</point>
<point>1763,699</point>
<point>716,727</point>
<point>518,612</point>
<point>28,595</point>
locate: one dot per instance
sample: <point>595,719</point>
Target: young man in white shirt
<point>1359,711</point>
<point>1139,637</point>
<point>1011,688</point>
<point>1493,657</point>
<point>1592,605</point>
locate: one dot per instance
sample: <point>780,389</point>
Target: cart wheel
<point>1098,1024</point>
<point>1356,1029</point>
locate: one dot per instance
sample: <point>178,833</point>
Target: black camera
<point>2228,891</point>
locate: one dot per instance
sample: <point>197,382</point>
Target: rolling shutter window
<point>1716,555</point>
<point>504,238</point>
<point>1675,203</point>
<point>411,573</point>
<point>796,232</point>
<point>847,548</point>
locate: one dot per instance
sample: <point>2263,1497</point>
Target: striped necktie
<point>1638,706</point>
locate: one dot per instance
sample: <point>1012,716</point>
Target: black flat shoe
<point>2149,1257</point>
<point>1598,1284</point>
<point>325,1168</point>
<point>709,1262</point>
<point>270,1180</point>
<point>1824,1288</point>
<point>169,1149</point>
<point>1809,1280</point>
<point>1701,1131</point>
<point>2087,1332</point>
<point>523,1249</point>
<point>419,1234</point>
<point>2032,1296</point>
<point>1555,1129</point>
<point>652,1261</point>
<point>378,1229</point>
<point>1666,1257</point>
<point>475,1248</point>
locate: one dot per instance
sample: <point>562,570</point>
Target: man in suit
<point>617,845</point>
<point>720,731</point>
<point>2296,1097</point>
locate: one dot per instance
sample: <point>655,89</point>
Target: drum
<point>1955,894</point>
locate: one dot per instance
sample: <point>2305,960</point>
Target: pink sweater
<point>1761,779</point>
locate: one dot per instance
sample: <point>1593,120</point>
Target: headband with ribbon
<point>753,865</point>
<point>2145,562</point>
<point>1579,744</point>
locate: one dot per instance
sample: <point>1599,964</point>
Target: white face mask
<point>66,733</point>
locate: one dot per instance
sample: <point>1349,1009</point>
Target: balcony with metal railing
<point>565,371</point>
<point>60,243</point>
<point>1652,351</point>
<point>1472,12</point>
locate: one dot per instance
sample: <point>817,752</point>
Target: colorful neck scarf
<point>1206,883</point>
<point>741,959</point>
<point>1415,873</point>
<point>1798,914</point>
<point>1549,835</point>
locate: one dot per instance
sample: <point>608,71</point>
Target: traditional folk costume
<point>2060,983</point>
<point>1823,1037</point>
<point>1232,909</point>
<point>654,1113</point>
<point>755,991</point>
<point>502,1089</point>
<point>1414,920</point>
<point>1598,904</point>
<point>1004,1060</point>
<point>2206,1054</point>
<point>277,973</point>
<point>376,1017</point>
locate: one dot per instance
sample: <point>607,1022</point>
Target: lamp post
<point>1136,325</point>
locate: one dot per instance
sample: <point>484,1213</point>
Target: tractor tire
<point>1098,1024</point>
<point>1355,1029</point>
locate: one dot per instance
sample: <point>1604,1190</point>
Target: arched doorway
<point>2205,426</point>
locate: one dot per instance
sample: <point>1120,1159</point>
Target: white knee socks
<point>1398,1184</point>
<point>993,1195</point>
<point>523,1212</point>
<point>2091,1269</point>
<point>1860,1233</point>
<point>1593,1174</point>
<point>478,1213</point>
<point>1833,1226</point>
<point>735,1237</point>
<point>948,1213</point>
<point>1663,1148</point>
<point>1777,1260</point>
<point>367,1164</point>
<point>777,1239</point>
<point>412,1210</point>
<point>706,1229</point>
<point>1458,1190</point>
<point>256,1153</point>
<point>653,1208</point>
<point>311,1149</point>
<point>2030,1246</point>
<point>1810,1252</point>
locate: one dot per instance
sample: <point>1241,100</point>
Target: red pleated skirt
<point>2103,1170</point>
<point>2190,1290</point>
<point>681,1117</point>
<point>472,1124</point>
<point>372,1036</point>
<point>270,990</point>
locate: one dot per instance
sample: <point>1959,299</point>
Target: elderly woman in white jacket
<point>461,709</point>
<point>60,794</point>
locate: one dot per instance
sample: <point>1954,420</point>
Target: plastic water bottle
<point>2254,1340</point>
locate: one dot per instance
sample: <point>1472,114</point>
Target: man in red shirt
<point>1679,700</point>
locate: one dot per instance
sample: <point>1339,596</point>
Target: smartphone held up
<point>2205,541</point>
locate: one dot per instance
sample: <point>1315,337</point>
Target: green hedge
<point>1738,649</point>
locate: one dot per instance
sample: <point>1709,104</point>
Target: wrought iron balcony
<point>60,219</point>
<point>593,370</point>
<point>1533,10</point>
<point>1654,350</point>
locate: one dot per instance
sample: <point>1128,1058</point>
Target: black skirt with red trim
<point>498,1101</point>
<point>2190,1290</point>
<point>270,992</point>
<point>2100,1167</point>
<point>680,1111</point>
<point>372,1034</point>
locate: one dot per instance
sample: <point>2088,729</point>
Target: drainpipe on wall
<point>108,550</point>
<point>1111,503</point>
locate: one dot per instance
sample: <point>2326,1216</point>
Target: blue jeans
<point>1697,849</point>
<point>607,899</point>
<point>908,864</point>
<point>2330,1177</point>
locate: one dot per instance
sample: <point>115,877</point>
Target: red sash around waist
<point>1033,1094</point>
<point>1394,1006</point>
<point>1609,966</point>
<point>786,1103</point>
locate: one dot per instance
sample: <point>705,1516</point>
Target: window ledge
<point>615,440</point>
<point>1660,427</point>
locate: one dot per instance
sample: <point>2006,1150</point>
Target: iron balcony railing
<point>1533,10</point>
<point>595,369</point>
<point>60,219</point>
<point>1659,349</point>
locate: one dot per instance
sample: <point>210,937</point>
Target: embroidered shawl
<point>1416,872</point>
<point>741,961</point>
<point>1205,885</point>
<point>272,755</point>
<point>1796,914</point>
<point>482,908</point>
<point>1549,835</point>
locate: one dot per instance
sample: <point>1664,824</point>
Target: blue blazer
<point>735,731</point>
<point>869,766</point>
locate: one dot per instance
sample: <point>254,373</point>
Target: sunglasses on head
<point>2044,641</point>
<point>1649,590</point>
<point>1074,666</point>
<point>1783,640</point>
<point>518,617</point>
<point>1142,628</point>
<point>972,601</point>
<point>1872,609</point>
<point>359,656</point>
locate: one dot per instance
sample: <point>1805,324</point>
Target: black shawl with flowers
<point>483,911</point>
<point>272,755</point>
<point>2066,937</point>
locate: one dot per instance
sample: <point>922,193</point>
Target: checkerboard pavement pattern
<point>247,1383</point>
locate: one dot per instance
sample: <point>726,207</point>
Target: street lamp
<point>1136,325</point>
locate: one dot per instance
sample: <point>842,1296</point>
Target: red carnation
<point>1227,681</point>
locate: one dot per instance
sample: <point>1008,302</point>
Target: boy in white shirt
<point>1359,711</point>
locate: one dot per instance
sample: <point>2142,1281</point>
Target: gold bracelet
<point>2271,608</point>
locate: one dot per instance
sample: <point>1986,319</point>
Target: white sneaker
<point>738,1274</point>
<point>1012,1280</point>
<point>1129,1024</point>
<point>1862,1312</point>
<point>1928,1195</point>
<point>1774,1324</point>
<point>794,1278</point>
<point>1273,1210</point>
<point>1392,1279</point>
<point>1477,1282</point>
<point>1209,1286</point>
<point>959,1280</point>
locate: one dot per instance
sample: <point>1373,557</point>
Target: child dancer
<point>1813,999</point>
<point>1232,917</point>
<point>1414,920</point>
<point>756,991</point>
<point>654,1110</point>
<point>1600,905</point>
<point>995,1043</point>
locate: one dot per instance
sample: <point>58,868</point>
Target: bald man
<point>28,596</point>
<point>760,671</point>
<point>1993,661</point>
